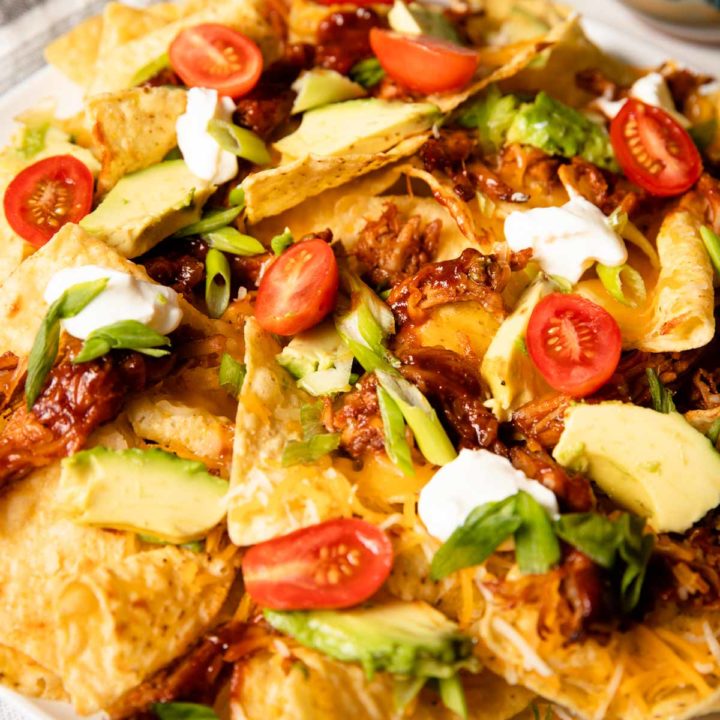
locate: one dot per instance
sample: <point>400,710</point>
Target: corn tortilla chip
<point>267,499</point>
<point>75,53</point>
<point>25,676</point>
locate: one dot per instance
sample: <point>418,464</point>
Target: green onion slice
<point>230,240</point>
<point>239,141</point>
<point>213,220</point>
<point>122,335</point>
<point>623,283</point>
<point>236,197</point>
<point>280,243</point>
<point>396,444</point>
<point>217,283</point>
<point>151,69</point>
<point>452,695</point>
<point>712,245</point>
<point>232,374</point>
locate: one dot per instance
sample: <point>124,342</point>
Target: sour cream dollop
<point>124,298</point>
<point>201,152</point>
<point>651,89</point>
<point>473,478</point>
<point>566,240</point>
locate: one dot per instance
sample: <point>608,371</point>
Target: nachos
<point>360,360</point>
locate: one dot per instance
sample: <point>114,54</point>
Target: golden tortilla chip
<point>75,53</point>
<point>21,305</point>
<point>25,676</point>
<point>97,608</point>
<point>116,69</point>
<point>678,314</point>
<point>133,129</point>
<point>316,687</point>
<point>665,667</point>
<point>270,192</point>
<point>267,499</point>
<point>122,24</point>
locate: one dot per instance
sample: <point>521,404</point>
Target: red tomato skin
<point>64,170</point>
<point>186,52</point>
<point>359,3</point>
<point>286,573</point>
<point>567,375</point>
<point>424,64</point>
<point>288,305</point>
<point>687,159</point>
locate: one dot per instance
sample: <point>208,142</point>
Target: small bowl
<point>697,20</point>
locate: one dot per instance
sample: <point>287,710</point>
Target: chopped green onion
<point>661,397</point>
<point>47,341</point>
<point>213,220</point>
<point>429,434</point>
<point>562,284</point>
<point>280,243</point>
<point>151,69</point>
<point>477,538</point>
<point>183,711</point>
<point>236,196</point>
<point>452,695</point>
<point>232,374</point>
<point>194,545</point>
<point>33,139</point>
<point>367,73</point>
<point>620,223</point>
<point>230,240</point>
<point>217,283</point>
<point>308,451</point>
<point>239,141</point>
<point>396,444</point>
<point>122,335</point>
<point>311,419</point>
<point>623,283</point>
<point>405,690</point>
<point>714,431</point>
<point>712,245</point>
<point>536,547</point>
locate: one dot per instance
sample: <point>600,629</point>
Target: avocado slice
<point>507,367</point>
<point>364,126</point>
<point>319,87</point>
<point>653,464</point>
<point>405,638</point>
<point>151,492</point>
<point>415,19</point>
<point>319,359</point>
<point>147,206</point>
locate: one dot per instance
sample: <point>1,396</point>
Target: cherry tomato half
<point>425,64</point>
<point>217,57</point>
<point>299,289</point>
<point>46,195</point>
<point>653,150</point>
<point>574,343</point>
<point>335,564</point>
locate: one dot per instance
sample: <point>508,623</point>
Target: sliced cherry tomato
<point>654,150</point>
<point>335,564</point>
<point>359,3</point>
<point>299,289</point>
<point>574,343</point>
<point>46,195</point>
<point>425,64</point>
<point>217,57</point>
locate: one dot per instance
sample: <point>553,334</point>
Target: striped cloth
<point>27,26</point>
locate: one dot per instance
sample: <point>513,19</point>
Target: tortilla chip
<point>649,672</point>
<point>190,432</point>
<point>93,606</point>
<point>25,676</point>
<point>116,69</point>
<point>270,192</point>
<point>75,53</point>
<point>316,687</point>
<point>678,314</point>
<point>267,499</point>
<point>21,305</point>
<point>133,129</point>
<point>123,24</point>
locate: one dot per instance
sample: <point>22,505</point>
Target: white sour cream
<point>566,240</point>
<point>124,298</point>
<point>651,89</point>
<point>205,158</point>
<point>473,478</point>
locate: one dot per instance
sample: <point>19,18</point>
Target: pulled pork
<point>76,400</point>
<point>452,384</point>
<point>472,276</point>
<point>392,248</point>
<point>542,420</point>
<point>343,38</point>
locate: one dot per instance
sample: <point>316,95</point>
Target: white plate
<point>49,84</point>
